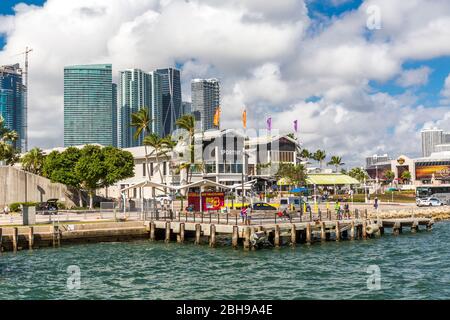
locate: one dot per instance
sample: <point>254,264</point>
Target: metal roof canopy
<point>150,184</point>
<point>330,179</point>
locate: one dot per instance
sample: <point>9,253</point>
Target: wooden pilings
<point>277,238</point>
<point>414,227</point>
<point>364,229</point>
<point>397,229</point>
<point>235,237</point>
<point>198,233</point>
<point>15,238</point>
<point>247,234</point>
<point>308,233</point>
<point>323,232</point>
<point>167,238</point>
<point>180,235</point>
<point>293,235</point>
<point>212,236</point>
<point>338,231</point>
<point>352,230</point>
<point>30,238</point>
<point>1,240</point>
<point>152,231</point>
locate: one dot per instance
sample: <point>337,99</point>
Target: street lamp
<point>375,159</point>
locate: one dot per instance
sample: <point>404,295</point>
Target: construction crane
<point>25,100</point>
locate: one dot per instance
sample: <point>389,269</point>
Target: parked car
<point>164,198</point>
<point>429,202</point>
<point>263,206</point>
<point>48,207</point>
<point>298,202</point>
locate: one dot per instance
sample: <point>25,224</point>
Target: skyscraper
<point>115,116</point>
<point>12,101</point>
<point>205,101</point>
<point>88,105</point>
<point>137,90</point>
<point>171,98</point>
<point>430,138</point>
<point>186,108</point>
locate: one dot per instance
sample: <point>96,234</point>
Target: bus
<point>442,192</point>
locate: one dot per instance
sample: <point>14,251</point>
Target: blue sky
<point>368,91</point>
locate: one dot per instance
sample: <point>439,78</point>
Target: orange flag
<point>217,117</point>
<point>244,119</point>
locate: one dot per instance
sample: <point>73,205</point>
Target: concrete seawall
<point>20,186</point>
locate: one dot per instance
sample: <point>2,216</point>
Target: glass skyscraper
<point>171,95</point>
<point>88,105</point>
<point>205,101</point>
<point>12,103</point>
<point>137,90</point>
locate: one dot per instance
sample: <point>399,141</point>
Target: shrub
<point>15,207</point>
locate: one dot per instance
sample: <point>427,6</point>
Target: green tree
<point>336,162</point>
<point>389,175</point>
<point>359,174</point>
<point>319,156</point>
<point>118,164</point>
<point>33,161</point>
<point>91,171</point>
<point>296,174</point>
<point>60,167</point>
<point>406,176</point>
<point>8,153</point>
<point>141,122</point>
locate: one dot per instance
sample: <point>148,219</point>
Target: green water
<point>412,267</point>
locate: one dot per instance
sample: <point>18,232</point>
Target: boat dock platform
<point>213,233</point>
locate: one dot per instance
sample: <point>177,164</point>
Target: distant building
<point>137,90</point>
<point>171,98</point>
<point>115,115</point>
<point>205,101</point>
<point>88,105</point>
<point>377,159</point>
<point>186,108</point>
<point>12,102</point>
<point>431,138</point>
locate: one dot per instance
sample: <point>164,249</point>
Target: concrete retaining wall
<point>20,186</point>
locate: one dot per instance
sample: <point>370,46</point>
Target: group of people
<point>246,215</point>
<point>342,212</point>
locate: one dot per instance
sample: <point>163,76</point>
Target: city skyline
<point>318,62</point>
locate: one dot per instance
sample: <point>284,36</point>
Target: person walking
<point>337,208</point>
<point>243,214</point>
<point>375,204</point>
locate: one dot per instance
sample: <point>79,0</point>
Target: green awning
<point>330,179</point>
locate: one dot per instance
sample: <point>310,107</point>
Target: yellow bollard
<point>328,205</point>
<point>304,208</point>
<point>316,208</point>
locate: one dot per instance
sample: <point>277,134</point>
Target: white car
<point>163,198</point>
<point>429,202</point>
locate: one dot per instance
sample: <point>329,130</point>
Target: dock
<point>212,231</point>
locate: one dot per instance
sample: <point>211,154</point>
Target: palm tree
<point>159,146</point>
<point>389,175</point>
<point>141,121</point>
<point>33,161</point>
<point>187,122</point>
<point>319,156</point>
<point>336,162</point>
<point>305,154</point>
<point>406,176</point>
<point>8,153</point>
<point>359,174</point>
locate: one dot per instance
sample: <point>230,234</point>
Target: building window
<point>164,168</point>
<point>143,170</point>
<point>151,169</point>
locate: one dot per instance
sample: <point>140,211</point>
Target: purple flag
<point>269,124</point>
<point>296,125</point>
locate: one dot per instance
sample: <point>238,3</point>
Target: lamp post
<point>365,187</point>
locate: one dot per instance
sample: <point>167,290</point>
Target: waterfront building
<point>205,101</point>
<point>88,105</point>
<point>12,102</point>
<point>171,99</point>
<point>224,161</point>
<point>137,90</point>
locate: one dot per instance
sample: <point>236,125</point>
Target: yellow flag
<point>217,117</point>
<point>244,119</point>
